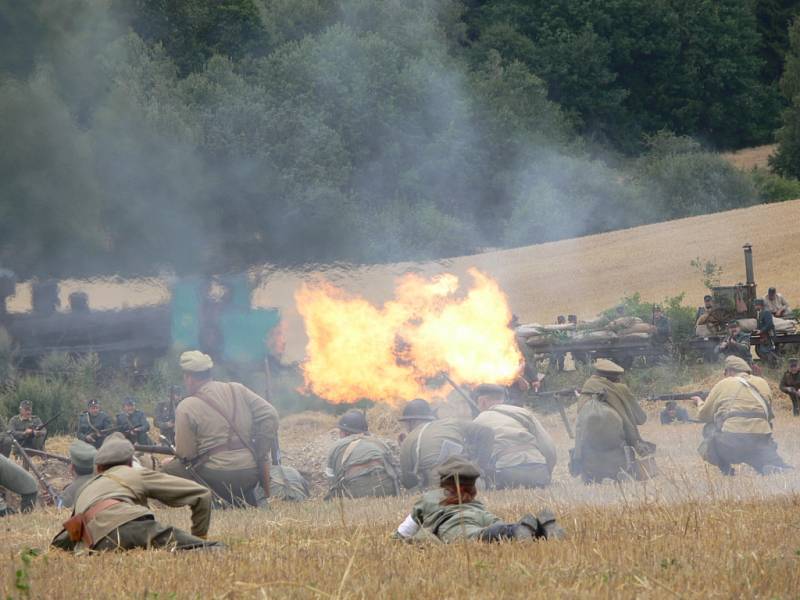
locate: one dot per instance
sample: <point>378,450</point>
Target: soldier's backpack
<point>367,468</point>
<point>288,484</point>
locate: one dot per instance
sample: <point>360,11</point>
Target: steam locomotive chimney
<point>748,264</point>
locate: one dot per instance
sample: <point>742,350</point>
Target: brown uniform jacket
<point>199,428</point>
<point>134,487</point>
<point>519,438</point>
<point>790,380</point>
<point>730,395</point>
<point>418,461</point>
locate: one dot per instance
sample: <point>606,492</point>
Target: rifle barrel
<point>154,449</point>
<point>43,454</point>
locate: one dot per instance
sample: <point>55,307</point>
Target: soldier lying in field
<point>452,513</point>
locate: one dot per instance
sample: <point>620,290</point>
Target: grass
<point>691,533</point>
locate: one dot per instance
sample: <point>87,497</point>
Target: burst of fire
<point>398,351</point>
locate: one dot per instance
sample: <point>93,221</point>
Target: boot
<point>28,502</point>
<point>549,528</point>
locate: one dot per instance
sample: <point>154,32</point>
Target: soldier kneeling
<point>452,513</point>
<point>111,511</point>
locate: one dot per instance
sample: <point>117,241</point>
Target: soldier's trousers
<point>234,487</point>
<point>146,532</point>
<point>16,479</point>
<point>725,449</point>
<point>522,476</point>
<point>795,404</point>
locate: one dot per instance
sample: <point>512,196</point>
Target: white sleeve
<point>408,527</point>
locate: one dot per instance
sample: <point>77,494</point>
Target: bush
<point>775,188</point>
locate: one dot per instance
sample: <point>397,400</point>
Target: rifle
<point>43,454</point>
<point>154,449</point>
<point>677,396</point>
<point>51,497</point>
<point>562,411</point>
<point>470,402</point>
<point>45,424</point>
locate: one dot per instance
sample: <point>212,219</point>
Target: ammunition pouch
<point>77,526</point>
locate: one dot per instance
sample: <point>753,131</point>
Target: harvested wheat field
<point>690,533</point>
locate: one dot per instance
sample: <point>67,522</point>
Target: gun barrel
<point>43,454</point>
<point>678,396</point>
<point>154,449</point>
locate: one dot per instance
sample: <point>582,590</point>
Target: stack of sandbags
<point>785,325</point>
<point>748,324</point>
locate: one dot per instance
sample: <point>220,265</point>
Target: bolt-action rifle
<point>677,396</point>
<point>50,495</point>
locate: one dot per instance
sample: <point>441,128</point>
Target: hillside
<point>586,275</point>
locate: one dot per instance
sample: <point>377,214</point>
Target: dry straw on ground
<point>691,533</point>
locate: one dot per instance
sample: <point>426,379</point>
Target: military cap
<point>26,404</point>
<point>458,466</point>
<point>488,389</point>
<point>603,365</point>
<point>195,361</point>
<point>417,410</point>
<point>129,401</point>
<point>115,450</point>
<point>794,361</point>
<point>771,290</point>
<point>708,297</point>
<point>353,421</point>
<point>759,301</point>
<point>93,402</point>
<point>739,365</point>
<point>82,456</point>
<point>657,307</point>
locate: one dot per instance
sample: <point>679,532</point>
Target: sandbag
<point>559,327</point>
<point>535,341</point>
<point>635,336</point>
<point>596,335</point>
<point>702,331</point>
<point>784,325</point>
<point>748,324</point>
<point>528,329</point>
<point>623,323</point>
<point>639,328</point>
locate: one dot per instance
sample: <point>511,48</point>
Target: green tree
<point>786,160</point>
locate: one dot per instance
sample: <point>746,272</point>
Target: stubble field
<point>691,533</point>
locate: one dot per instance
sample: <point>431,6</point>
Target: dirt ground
<point>751,158</point>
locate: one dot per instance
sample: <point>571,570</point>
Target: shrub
<point>775,188</point>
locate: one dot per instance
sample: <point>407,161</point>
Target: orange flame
<point>392,353</point>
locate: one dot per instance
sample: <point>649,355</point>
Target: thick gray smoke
<point>336,131</point>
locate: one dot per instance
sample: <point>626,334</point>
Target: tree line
<point>206,136</point>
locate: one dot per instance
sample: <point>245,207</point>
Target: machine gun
<point>677,396</point>
<point>562,411</point>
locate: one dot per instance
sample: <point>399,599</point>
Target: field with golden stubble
<point>691,533</point>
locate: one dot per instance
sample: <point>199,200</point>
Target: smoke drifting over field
<point>349,132</point>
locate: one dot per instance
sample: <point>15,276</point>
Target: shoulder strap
<point>116,479</point>
<point>757,395</point>
<point>212,404</point>
<point>417,449</point>
<point>349,449</point>
<point>513,415</point>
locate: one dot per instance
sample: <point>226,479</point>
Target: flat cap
<point>82,456</point>
<point>92,402</point>
<point>417,410</point>
<point>458,466</point>
<point>129,401</point>
<point>603,365</point>
<point>793,361</point>
<point>739,365</point>
<point>195,361</point>
<point>486,389</point>
<point>115,449</point>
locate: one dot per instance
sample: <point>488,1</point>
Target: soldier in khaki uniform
<point>224,431</point>
<point>607,440</point>
<point>360,465</point>
<point>81,456</point>
<point>738,413</point>
<point>286,483</point>
<point>453,512</point>
<point>111,511</point>
<point>430,441</point>
<point>523,453</point>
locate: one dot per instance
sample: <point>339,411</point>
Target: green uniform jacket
<point>421,451</point>
<point>134,487</point>
<point>288,484</point>
<point>360,466</point>
<point>136,420</point>
<point>71,492</point>
<point>18,426</point>
<point>449,523</point>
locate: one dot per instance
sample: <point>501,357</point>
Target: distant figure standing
<point>662,325</point>
<point>765,330</point>
<point>790,385</point>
